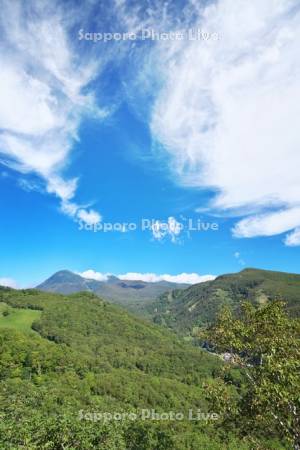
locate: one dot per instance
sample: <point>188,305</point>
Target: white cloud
<point>268,224</point>
<point>293,239</point>
<point>228,111</point>
<point>8,282</point>
<point>239,259</point>
<point>187,278</point>
<point>90,217</point>
<point>44,92</point>
<point>93,275</point>
<point>171,228</point>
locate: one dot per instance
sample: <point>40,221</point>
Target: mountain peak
<point>113,288</point>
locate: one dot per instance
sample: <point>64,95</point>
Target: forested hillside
<point>85,354</point>
<point>81,357</point>
<point>182,310</point>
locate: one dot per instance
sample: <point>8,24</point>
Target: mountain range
<point>183,307</point>
<point>132,294</point>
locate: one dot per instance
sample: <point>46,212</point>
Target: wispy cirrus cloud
<point>45,93</point>
<point>227,113</point>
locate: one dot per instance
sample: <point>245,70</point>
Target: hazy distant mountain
<point>133,294</point>
<point>198,304</point>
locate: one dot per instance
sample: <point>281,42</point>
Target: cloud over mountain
<point>185,278</point>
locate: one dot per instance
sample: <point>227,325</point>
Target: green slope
<point>16,318</point>
<point>93,327</point>
<point>198,305</point>
<point>93,356</point>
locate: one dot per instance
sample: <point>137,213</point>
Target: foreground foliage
<point>265,343</point>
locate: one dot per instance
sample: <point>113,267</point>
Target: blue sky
<point>95,133</point>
